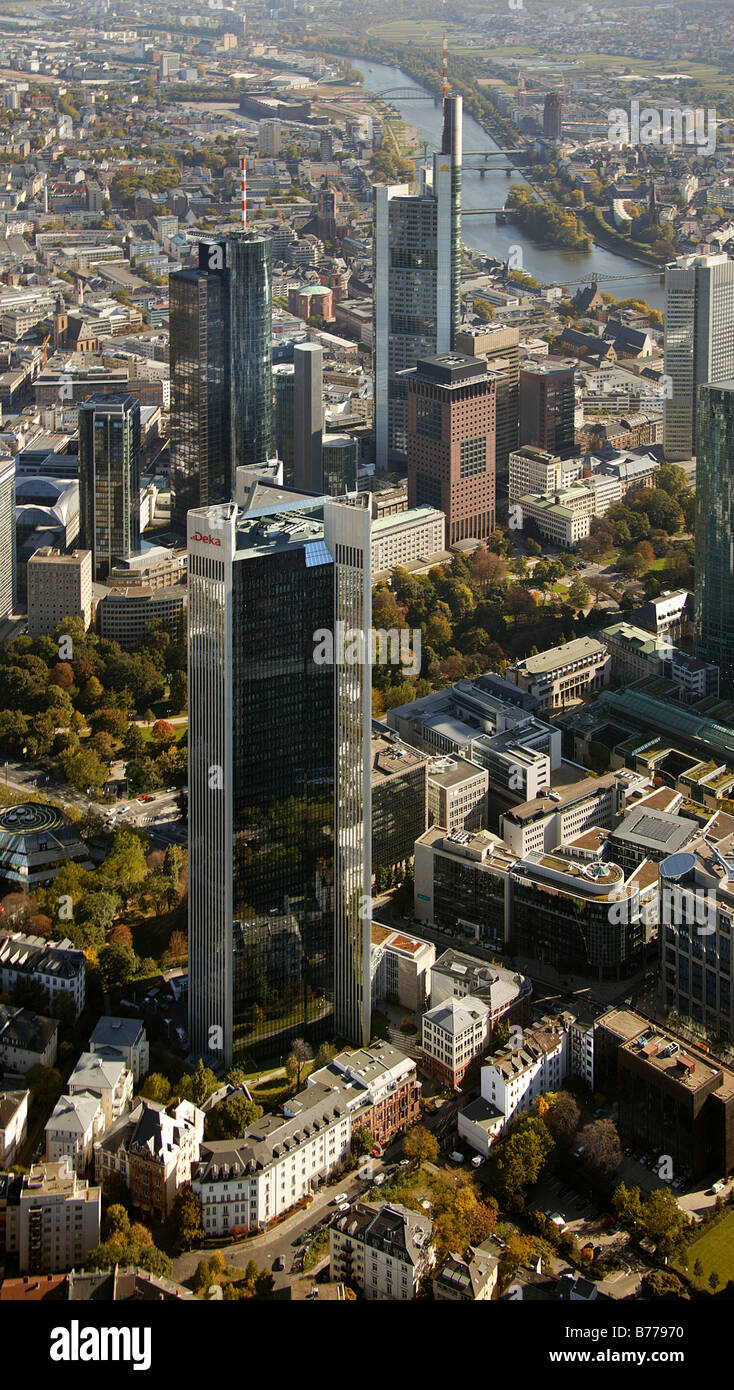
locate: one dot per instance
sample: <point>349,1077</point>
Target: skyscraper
<point>417,262</point>
<point>283,388</point>
<point>276,943</point>
<point>7,537</point>
<point>699,341</point>
<point>547,406</point>
<point>499,346</point>
<point>201,463</point>
<point>109,479</point>
<point>451,442</point>
<point>552,116</point>
<point>715,529</point>
<point>251,384</point>
<point>308,415</point>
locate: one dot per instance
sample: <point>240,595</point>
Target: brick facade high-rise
<point>451,442</point>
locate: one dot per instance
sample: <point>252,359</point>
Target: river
<point>548,264</point>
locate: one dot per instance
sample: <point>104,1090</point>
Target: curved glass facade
<point>249,263</point>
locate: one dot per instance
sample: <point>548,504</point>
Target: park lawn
<point>715,1250</point>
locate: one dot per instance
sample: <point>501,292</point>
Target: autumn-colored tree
<point>162,734</point>
<point>121,934</point>
<point>420,1145</point>
<point>62,674</point>
<point>178,946</point>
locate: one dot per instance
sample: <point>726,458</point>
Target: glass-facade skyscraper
<point>417,264</point>
<point>699,341</point>
<point>251,379</point>
<point>109,479</point>
<point>715,529</point>
<point>221,371</point>
<point>277,946</point>
<point>201,461</point>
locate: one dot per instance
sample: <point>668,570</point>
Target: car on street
<point>477,1161</point>
<point>340,1197</point>
<point>278,1263</point>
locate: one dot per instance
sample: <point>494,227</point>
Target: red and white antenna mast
<point>243,170</point>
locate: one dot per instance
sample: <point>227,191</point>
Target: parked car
<point>278,1263</point>
<point>477,1161</point>
<point>456,1157</point>
<point>340,1197</point>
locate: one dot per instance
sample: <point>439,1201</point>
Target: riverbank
<point>605,235</point>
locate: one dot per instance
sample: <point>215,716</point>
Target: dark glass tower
<point>201,465</point>
<point>715,529</point>
<point>279,808</point>
<point>109,479</point>
<point>251,383</point>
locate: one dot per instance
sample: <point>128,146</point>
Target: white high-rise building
<point>417,264</point>
<point>279,780</point>
<point>699,341</point>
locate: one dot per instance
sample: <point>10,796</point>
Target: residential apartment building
<point>55,965</point>
<point>563,674</point>
<point>123,1037</point>
<point>385,1252</point>
<point>468,1000</point>
<point>106,1077</point>
<point>27,1039</point>
<point>469,1278</point>
<point>410,535</point>
<point>52,1219</point>
<point>75,1124</point>
<point>153,1152</point>
<point>455,1034</point>
<point>13,1125</point>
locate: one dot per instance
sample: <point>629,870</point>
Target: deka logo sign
<point>206,540</point>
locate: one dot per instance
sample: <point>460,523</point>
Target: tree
<point>117,964</point>
<point>578,594</point>
<point>518,1162</point>
<point>187,1218</point>
<point>103,745</point>
<point>116,1223</point>
<point>198,1085</point>
<point>484,309</point>
<point>300,1054</point>
<point>600,1141</point>
<point>156,1087</point>
<point>162,734</point>
<point>420,1145</point>
<point>232,1117</point>
<point>178,946</point>
<point>462,1220</point>
<point>661,1283</point>
<point>178,691</point>
<point>362,1141</point>
<point>665,1223</point>
<point>133,744</point>
<point>82,768</point>
<point>202,1277</point>
<point>562,1117</point>
<point>44,1083</point>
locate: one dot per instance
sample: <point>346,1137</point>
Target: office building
<point>451,443</point>
<point>401,968</point>
<point>269,133</point>
<point>251,386</point>
<point>699,342</point>
<point>417,260</point>
<point>109,479</point>
<point>674,1097</point>
<point>402,537</point>
<point>457,793</point>
<point>461,883</point>
<point>714,526</point>
<point>7,537</point>
<point>564,674</point>
<point>399,810</point>
<point>201,464</point>
<point>59,586</point>
<point>308,416</point>
<point>339,464</point>
<point>499,346</point>
<point>283,402</point>
<point>547,404</point>
<point>552,116</point>
<point>279,856</point>
<point>52,1219</point>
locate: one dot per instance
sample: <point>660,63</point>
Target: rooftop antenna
<point>243,170</point>
<point>445,88</point>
